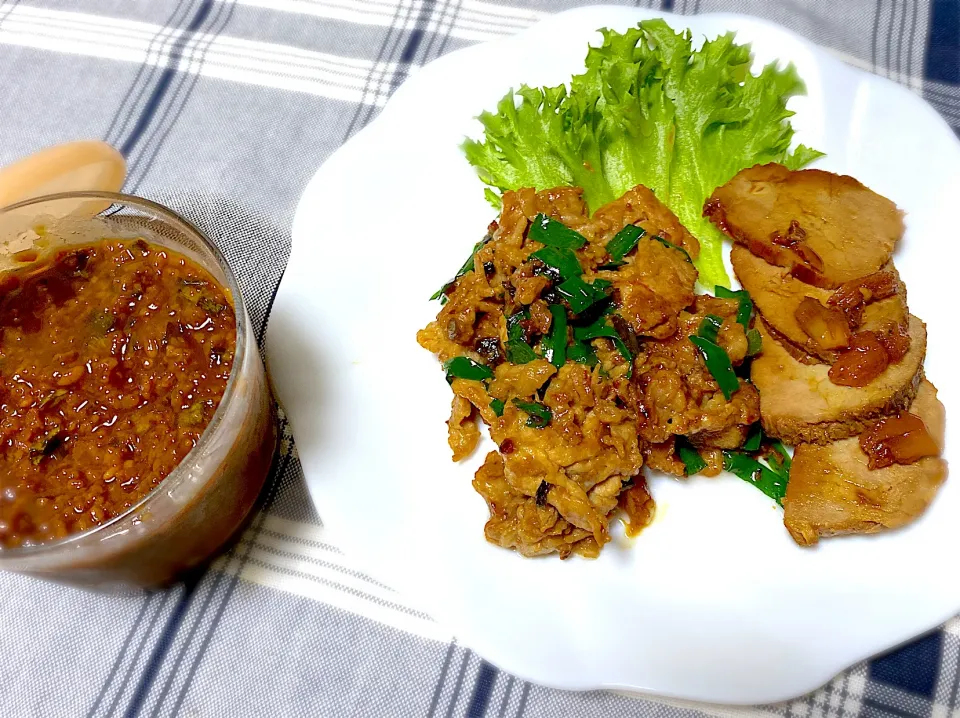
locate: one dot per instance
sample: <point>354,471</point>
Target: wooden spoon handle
<point>88,165</point>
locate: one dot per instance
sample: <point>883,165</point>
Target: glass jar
<point>202,503</point>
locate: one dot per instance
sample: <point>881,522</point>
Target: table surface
<point>224,110</point>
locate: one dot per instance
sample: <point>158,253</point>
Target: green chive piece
<point>785,460</point>
<point>600,329</point>
<point>671,245</point>
<point>692,461</point>
<point>754,342</point>
<point>772,482</point>
<point>582,354</point>
<point>554,234</point>
<point>710,327</point>
<point>624,242</point>
<point>467,267</point>
<point>564,261</point>
<point>718,364</point>
<point>467,368</point>
<point>556,344</point>
<point>539,415</point>
<point>745,310</point>
<point>580,295</point>
<point>518,351</point>
<point>498,406</point>
<point>753,439</point>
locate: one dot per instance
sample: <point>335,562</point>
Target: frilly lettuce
<point>648,110</point>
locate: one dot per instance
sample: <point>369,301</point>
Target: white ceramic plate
<point>714,601</point>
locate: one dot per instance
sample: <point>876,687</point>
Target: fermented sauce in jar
<point>114,356</point>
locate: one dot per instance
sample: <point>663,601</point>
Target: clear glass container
<point>199,506</point>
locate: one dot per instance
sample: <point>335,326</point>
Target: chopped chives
<point>539,415</point>
<point>580,295</point>
<point>718,364</point>
<point>556,343</point>
<point>552,233</point>
<point>466,368</point>
<point>564,261</point>
<point>624,242</point>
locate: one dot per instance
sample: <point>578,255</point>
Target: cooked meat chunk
<point>462,431</point>
<point>657,281</point>
<point>799,403</point>
<point>833,491</point>
<point>638,505</point>
<point>826,229</point>
<point>517,521</point>
<point>677,393</point>
<point>653,287</point>
<point>639,206</point>
<point>663,457</point>
<point>777,296</point>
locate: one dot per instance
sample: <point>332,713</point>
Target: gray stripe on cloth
<point>149,634</point>
<point>68,111</point>
<point>945,690</point>
<point>522,705</point>
<point>441,680</point>
<point>906,11</point>
<point>132,105</point>
<point>945,99</point>
<point>456,697</point>
<point>504,698</point>
<point>166,82</point>
<point>445,34</point>
<point>200,630</point>
<point>446,689</point>
<point>66,635</point>
<point>847,27</point>
<point>374,80</point>
<point>336,568</point>
<point>6,8</point>
<point>885,697</point>
<point>369,669</point>
<point>911,40</point>
<point>872,709</point>
<point>121,654</point>
<point>442,27</point>
<point>307,32</point>
<point>212,18</point>
<point>155,13</point>
<point>144,683</point>
<point>293,501</point>
<point>127,657</point>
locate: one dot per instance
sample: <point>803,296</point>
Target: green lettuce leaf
<point>647,110</point>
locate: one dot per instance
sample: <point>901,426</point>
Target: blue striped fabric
<point>224,109</point>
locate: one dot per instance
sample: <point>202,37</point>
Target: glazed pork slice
<point>778,295</point>
<point>832,491</point>
<point>826,229</point>
<point>799,403</point>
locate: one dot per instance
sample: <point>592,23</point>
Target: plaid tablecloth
<point>224,109</point>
